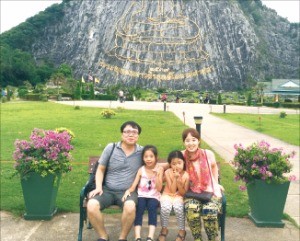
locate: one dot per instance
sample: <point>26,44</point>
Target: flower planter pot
<point>267,202</point>
<point>40,196</point>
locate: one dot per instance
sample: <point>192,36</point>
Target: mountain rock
<point>194,44</point>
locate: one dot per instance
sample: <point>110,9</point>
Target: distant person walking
<point>200,98</point>
<point>164,97</point>
<point>207,99</point>
<point>121,96</point>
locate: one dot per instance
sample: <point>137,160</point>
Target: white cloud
<point>288,9</point>
<point>16,12</point>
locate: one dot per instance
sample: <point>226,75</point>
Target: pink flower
<point>242,188</point>
<point>237,178</point>
<point>269,174</point>
<point>292,178</point>
<point>259,161</point>
<point>51,146</point>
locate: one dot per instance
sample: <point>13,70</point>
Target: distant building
<point>286,88</point>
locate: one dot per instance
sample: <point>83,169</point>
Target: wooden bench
<point>83,201</point>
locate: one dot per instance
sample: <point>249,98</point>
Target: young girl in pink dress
<point>177,183</point>
<point>148,182</point>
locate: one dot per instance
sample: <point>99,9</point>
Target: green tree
<point>16,66</point>
<point>22,91</point>
<point>249,99</point>
<point>65,70</point>
<point>219,99</point>
<point>77,94</point>
<point>39,88</point>
<point>92,92</point>
<point>57,79</point>
<point>259,90</point>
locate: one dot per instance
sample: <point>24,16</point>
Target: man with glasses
<point>120,171</point>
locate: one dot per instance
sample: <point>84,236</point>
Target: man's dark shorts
<point>112,197</point>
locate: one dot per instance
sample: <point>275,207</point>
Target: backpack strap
<point>91,184</point>
<point>112,150</point>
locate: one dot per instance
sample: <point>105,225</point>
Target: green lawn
<point>285,129</point>
<point>92,132</point>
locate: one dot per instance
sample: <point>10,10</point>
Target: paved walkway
<point>64,227</point>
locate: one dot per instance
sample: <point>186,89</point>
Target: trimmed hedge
<point>105,97</point>
<point>36,97</point>
<point>283,105</point>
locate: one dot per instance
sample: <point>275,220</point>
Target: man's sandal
<point>182,238</point>
<point>161,234</point>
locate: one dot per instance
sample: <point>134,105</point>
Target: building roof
<point>283,86</point>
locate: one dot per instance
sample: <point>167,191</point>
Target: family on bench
<point>131,177</point>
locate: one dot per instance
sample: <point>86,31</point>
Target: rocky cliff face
<point>180,44</point>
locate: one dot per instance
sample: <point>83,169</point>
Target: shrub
<point>108,113</point>
<point>219,99</point>
<point>249,99</point>
<point>276,104</point>
<point>22,92</point>
<point>64,129</point>
<point>120,109</point>
<point>282,114</point>
<point>33,97</point>
<point>43,98</point>
<point>3,99</point>
<point>105,97</point>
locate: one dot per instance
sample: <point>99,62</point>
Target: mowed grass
<point>93,133</point>
<point>285,129</point>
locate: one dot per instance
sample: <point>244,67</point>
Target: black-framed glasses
<point>131,132</point>
<point>149,185</point>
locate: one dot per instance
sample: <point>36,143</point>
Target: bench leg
<point>222,218</point>
<point>81,223</point>
<point>89,225</point>
<point>82,215</point>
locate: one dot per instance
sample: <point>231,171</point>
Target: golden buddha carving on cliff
<point>154,40</point>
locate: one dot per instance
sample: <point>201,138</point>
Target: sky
<point>14,12</point>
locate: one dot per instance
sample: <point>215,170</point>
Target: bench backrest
<point>92,162</point>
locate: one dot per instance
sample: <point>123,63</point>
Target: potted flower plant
<point>264,171</point>
<point>40,163</point>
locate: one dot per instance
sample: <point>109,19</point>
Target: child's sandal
<point>161,234</point>
<point>182,238</point>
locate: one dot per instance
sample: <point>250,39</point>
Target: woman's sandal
<point>149,239</point>
<point>161,234</point>
<point>182,238</point>
<point>138,239</point>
